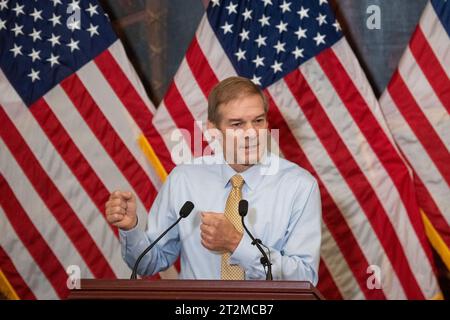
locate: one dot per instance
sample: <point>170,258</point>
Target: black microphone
<point>243,208</point>
<point>187,208</point>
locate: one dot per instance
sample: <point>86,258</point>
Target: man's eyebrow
<point>261,115</point>
<point>240,119</point>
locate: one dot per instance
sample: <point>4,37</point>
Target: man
<point>284,205</point>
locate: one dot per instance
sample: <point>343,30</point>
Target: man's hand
<point>218,233</point>
<point>120,210</point>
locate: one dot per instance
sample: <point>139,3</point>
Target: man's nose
<point>249,128</point>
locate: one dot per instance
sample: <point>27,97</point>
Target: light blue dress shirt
<point>284,212</point>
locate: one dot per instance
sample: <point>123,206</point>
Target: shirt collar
<point>252,176</point>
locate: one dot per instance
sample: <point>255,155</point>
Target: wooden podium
<point>92,289</point>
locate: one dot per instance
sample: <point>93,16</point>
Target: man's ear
<point>210,125</point>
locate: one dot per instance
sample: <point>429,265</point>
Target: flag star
<point>247,14</point>
<point>53,60</point>
<point>256,80</point>
<point>282,26</point>
<point>2,24</point>
<point>276,66</point>
<point>267,2</point>
<point>56,2</point>
<point>321,19</point>
<point>244,35</point>
<point>231,8</point>
<point>319,39</point>
<point>3,4</point>
<point>18,9</point>
<point>261,41</point>
<point>258,61</point>
<point>17,50</point>
<point>75,5</point>
<point>227,28</point>
<point>301,33</point>
<point>240,54</point>
<point>280,46</point>
<point>215,3</point>
<point>34,75</point>
<point>337,26</point>
<point>54,40</point>
<point>321,2</point>
<point>264,21</point>
<point>92,30</point>
<point>36,15</point>
<point>55,19</point>
<point>17,29</point>
<point>35,35</point>
<point>92,10</point>
<point>298,53</point>
<point>73,45</point>
<point>303,13</point>
<point>74,24</point>
<point>285,6</point>
<point>34,55</point>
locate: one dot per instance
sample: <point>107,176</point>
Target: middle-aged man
<point>284,205</point>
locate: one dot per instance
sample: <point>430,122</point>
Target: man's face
<point>243,125</point>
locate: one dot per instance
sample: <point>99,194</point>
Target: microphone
<point>243,208</point>
<point>187,208</point>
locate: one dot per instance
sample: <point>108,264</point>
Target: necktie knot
<point>237,181</point>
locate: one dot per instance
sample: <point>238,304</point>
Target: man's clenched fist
<point>218,233</point>
<point>120,210</point>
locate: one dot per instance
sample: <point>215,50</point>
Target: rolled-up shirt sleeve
<point>300,254</point>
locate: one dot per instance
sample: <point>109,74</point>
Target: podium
<point>93,289</point>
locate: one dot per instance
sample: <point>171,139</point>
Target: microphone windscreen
<point>243,208</point>
<point>187,208</point>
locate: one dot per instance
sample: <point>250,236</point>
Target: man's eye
<point>237,124</point>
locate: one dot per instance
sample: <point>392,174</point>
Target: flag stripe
<point>117,116</point>
<point>212,51</point>
<point>416,155</point>
<point>14,278</point>
<point>24,263</point>
<point>340,271</point>
<point>175,104</point>
<point>372,168</point>
<point>108,137</point>
<point>42,219</point>
<point>134,104</point>
<point>375,135</point>
<point>379,142</point>
<point>200,67</point>
<point>54,200</point>
<point>431,67</point>
<point>431,210</point>
<point>326,285</point>
<point>424,95</point>
<point>356,180</point>
<point>57,170</point>
<point>424,131</point>
<point>97,157</point>
<point>31,238</point>
<point>71,155</point>
<point>331,214</point>
<point>436,35</point>
<point>192,94</point>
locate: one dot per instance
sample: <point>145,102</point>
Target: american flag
<point>416,106</point>
<point>330,123</point>
<point>73,113</point>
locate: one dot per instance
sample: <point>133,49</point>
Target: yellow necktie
<point>233,272</point>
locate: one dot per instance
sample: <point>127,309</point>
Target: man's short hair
<point>230,89</point>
